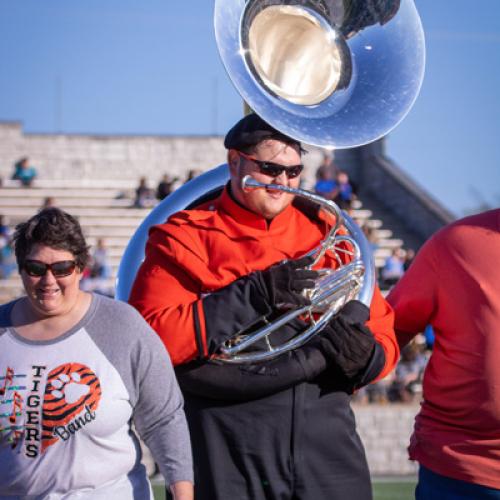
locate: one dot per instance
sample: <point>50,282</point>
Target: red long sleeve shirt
<point>199,251</point>
<point>453,284</point>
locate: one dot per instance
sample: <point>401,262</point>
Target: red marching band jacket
<point>200,251</point>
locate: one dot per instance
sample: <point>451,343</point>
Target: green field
<point>382,490</point>
<point>394,490</point>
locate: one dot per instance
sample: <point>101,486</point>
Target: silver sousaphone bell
<point>331,73</point>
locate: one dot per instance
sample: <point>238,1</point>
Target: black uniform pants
<point>298,444</point>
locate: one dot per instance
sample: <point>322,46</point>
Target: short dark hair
<point>53,228</point>
<point>21,161</point>
<point>250,131</point>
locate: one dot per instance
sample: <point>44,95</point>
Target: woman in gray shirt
<point>76,370</point>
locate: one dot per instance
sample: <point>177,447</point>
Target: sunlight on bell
<point>294,55</point>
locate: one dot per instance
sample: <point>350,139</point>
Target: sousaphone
<point>330,73</point>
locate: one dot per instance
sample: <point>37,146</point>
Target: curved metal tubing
<point>341,218</point>
<point>293,343</point>
<point>337,284</point>
<point>231,354</point>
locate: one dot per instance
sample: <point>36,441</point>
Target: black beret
<point>251,130</point>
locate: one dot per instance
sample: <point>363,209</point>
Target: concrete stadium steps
<point>90,183</point>
<point>104,214</point>
<point>122,233</point>
<point>361,214</point>
<point>113,243</point>
<point>382,233</point>
<point>106,203</point>
<point>124,219</point>
<point>94,214</point>
<point>391,243</point>
<point>385,243</point>
<point>68,203</point>
<point>374,223</point>
<point>74,191</point>
<point>400,231</point>
<point>10,288</point>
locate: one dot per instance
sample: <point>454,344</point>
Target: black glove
<point>348,342</point>
<point>286,281</point>
<point>248,300</point>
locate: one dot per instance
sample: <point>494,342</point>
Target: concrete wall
<point>106,157</point>
<point>64,156</point>
<point>385,431</point>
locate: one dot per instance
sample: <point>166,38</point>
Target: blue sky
<point>152,67</point>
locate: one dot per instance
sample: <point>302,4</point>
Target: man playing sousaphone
<point>281,428</point>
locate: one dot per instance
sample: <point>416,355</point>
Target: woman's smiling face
<point>47,294</point>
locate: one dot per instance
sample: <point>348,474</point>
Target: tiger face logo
<point>72,395</point>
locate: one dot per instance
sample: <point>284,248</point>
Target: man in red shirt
<point>453,285</point>
<point>281,428</point>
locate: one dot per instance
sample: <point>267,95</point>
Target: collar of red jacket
<point>225,215</point>
<point>229,207</point>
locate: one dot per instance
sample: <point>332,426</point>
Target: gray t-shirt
<point>67,406</point>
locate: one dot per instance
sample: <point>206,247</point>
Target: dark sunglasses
<point>274,169</point>
<point>59,269</point>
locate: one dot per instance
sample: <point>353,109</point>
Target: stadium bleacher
<point>105,210</point>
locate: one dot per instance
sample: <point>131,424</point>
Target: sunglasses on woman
<point>37,269</point>
<point>274,169</point>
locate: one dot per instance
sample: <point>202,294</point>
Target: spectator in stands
<point>48,202</point>
<point>430,337</point>
<point>144,196</point>
<point>4,227</point>
<point>329,164</point>
<point>7,260</point>
<point>378,392</point>
<point>407,384</point>
<point>165,187</point>
<point>344,195</point>
<point>96,279</point>
<point>371,236</point>
<point>325,184</point>
<point>23,172</point>
<point>100,260</point>
<point>191,175</point>
<point>408,258</point>
<point>393,269</point>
